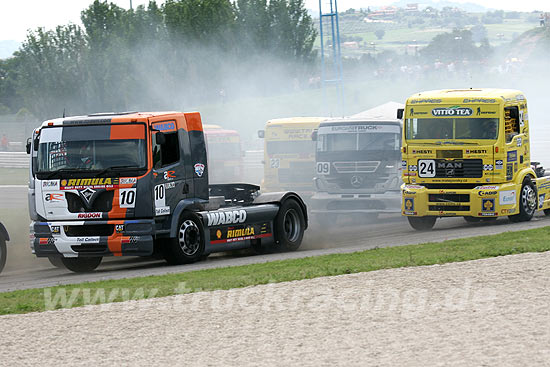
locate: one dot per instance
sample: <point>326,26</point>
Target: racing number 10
<point>426,168</point>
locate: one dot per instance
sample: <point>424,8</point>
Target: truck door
<point>169,180</point>
<point>515,148</point>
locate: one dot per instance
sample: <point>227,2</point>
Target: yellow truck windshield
<point>452,128</point>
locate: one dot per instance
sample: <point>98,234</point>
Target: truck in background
<point>289,154</point>
<point>134,184</point>
<point>467,153</point>
<point>358,166</point>
<point>225,155</point>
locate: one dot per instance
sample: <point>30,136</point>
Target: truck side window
<point>167,153</point>
<point>511,122</point>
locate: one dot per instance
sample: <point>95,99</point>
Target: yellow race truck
<point>289,154</point>
<point>466,153</point>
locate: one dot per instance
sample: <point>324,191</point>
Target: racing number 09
<point>426,168</point>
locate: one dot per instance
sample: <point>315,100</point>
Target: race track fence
<point>14,160</point>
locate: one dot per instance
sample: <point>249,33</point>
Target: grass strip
<point>508,243</point>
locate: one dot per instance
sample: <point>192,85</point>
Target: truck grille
<point>452,198</point>
<point>89,247</point>
<point>102,203</point>
<point>356,167</point>
<point>301,172</point>
<point>89,230</point>
<point>449,208</point>
<point>472,168</point>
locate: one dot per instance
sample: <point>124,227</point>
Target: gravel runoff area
<point>485,312</point>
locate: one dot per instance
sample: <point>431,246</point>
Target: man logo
<point>87,194</point>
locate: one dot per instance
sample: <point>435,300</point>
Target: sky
<point>16,16</point>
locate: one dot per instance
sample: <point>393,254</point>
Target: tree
<point>452,46</point>
<point>379,33</point>
<point>479,32</point>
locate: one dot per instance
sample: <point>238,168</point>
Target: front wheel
<point>81,264</point>
<point>3,253</point>
<point>188,246</point>
<point>527,202</point>
<point>289,226</point>
<point>422,223</point>
<point>56,261</point>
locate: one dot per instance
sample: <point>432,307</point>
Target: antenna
<point>63,112</point>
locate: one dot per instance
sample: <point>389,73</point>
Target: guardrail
<point>14,160</point>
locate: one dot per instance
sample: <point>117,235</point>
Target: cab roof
<point>107,117</point>
<point>471,95</point>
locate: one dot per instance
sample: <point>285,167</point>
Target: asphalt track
<point>30,272</point>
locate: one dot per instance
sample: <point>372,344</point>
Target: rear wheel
<point>527,202</point>
<point>3,253</point>
<point>289,226</point>
<point>422,223</point>
<point>81,264</point>
<point>188,246</point>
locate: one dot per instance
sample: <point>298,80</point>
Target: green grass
<point>14,176</point>
<point>508,243</point>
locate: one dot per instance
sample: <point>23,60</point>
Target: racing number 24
<point>426,168</point>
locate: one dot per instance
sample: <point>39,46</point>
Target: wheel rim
<point>291,225</point>
<point>528,199</point>
<point>189,238</point>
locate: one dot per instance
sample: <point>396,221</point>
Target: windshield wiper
<point>117,168</point>
<point>62,170</point>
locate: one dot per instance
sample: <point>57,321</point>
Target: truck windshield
<point>223,149</point>
<point>89,148</point>
<point>452,128</point>
<point>359,138</point>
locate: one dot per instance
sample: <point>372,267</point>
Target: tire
<point>81,264</point>
<point>3,253</point>
<point>527,202</point>
<point>546,211</point>
<point>289,226</point>
<point>188,246</point>
<point>472,219</point>
<point>422,223</point>
<point>56,261</point>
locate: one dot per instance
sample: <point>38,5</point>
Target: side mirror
<point>35,144</point>
<point>314,135</point>
<point>28,145</point>
<point>400,112</point>
<point>160,138</point>
<point>261,134</point>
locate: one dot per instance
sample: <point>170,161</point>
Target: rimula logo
<point>226,217</point>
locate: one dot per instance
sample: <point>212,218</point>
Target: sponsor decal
<point>512,156</point>
<point>413,167</point>
<point>485,214</point>
<point>165,126</point>
<point>53,197</point>
<point>507,197</point>
<point>360,129</point>
<point>240,233</point>
<point>518,142</point>
<point>507,211</point>
<point>220,217</point>
<point>479,100</point>
<point>452,111</point>
<point>499,164</point>
<point>55,229</point>
<point>88,215</point>
<point>404,164</point>
<point>413,187</point>
<point>487,205</point>
<point>487,193</point>
<point>199,169</point>
<point>129,240</point>
<point>50,185</point>
<point>476,151</point>
<point>128,181</point>
<point>409,204</point>
<point>47,241</point>
<point>119,228</point>
<point>487,167</point>
<point>425,100</point>
<point>421,151</point>
<point>541,200</point>
<point>169,175</point>
<point>87,239</point>
<point>93,183</point>
<point>165,210</point>
<point>486,188</point>
<point>170,185</point>
<point>410,174</point>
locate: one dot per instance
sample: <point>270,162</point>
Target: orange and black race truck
<point>136,184</point>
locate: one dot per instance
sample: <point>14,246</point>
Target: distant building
<point>385,12</point>
<point>412,8</point>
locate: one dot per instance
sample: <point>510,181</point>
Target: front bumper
<point>481,201</point>
<point>324,202</point>
<point>92,238</point>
